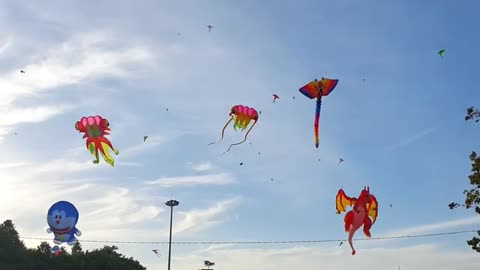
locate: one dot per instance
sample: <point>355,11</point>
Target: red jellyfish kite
<point>95,129</point>
<point>364,212</point>
<point>242,115</point>
<point>318,89</point>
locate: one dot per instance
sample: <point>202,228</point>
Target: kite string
<point>260,242</point>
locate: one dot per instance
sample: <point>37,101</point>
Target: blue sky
<point>401,131</point>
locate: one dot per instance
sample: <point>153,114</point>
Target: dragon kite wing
<point>343,201</point>
<point>312,89</point>
<point>372,207</point>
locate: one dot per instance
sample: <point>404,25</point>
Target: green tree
<point>77,249</point>
<point>12,250</point>
<point>472,196</point>
<point>15,256</point>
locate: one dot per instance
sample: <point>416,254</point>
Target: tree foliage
<point>472,195</point>
<point>15,256</point>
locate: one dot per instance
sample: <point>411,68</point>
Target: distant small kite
<point>145,138</point>
<point>340,160</point>
<point>56,250</point>
<point>21,71</point>
<point>275,97</point>
<point>441,53</point>
<point>210,27</point>
<point>156,252</point>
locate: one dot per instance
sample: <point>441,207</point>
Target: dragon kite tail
<point>317,120</point>
<point>223,131</point>
<point>350,240</point>
<point>245,139</point>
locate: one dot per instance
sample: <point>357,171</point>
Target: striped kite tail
<point>317,120</point>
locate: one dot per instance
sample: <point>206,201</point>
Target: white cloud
<point>201,219</point>
<point>188,181</point>
<point>204,166</point>
<point>148,145</point>
<point>436,227</point>
<point>4,46</point>
<point>418,257</point>
<point>412,139</point>
<point>62,165</point>
<point>85,56</point>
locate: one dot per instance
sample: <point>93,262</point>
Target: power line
<point>258,242</point>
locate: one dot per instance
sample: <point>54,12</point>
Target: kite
<point>62,217</point>
<point>441,53</point>
<point>210,27</point>
<point>242,115</point>
<point>364,212</point>
<point>318,89</point>
<point>56,250</point>
<point>145,138</point>
<point>340,160</point>
<point>95,129</point>
<point>275,97</point>
<point>208,264</point>
<point>156,252</point>
<point>21,71</point>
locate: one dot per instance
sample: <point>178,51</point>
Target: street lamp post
<point>171,204</point>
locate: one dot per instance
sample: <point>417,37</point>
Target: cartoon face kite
<point>364,212</point>
<point>318,89</point>
<point>95,129</point>
<point>62,217</point>
<point>242,115</point>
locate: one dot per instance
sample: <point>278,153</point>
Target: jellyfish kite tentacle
<point>242,115</point>
<point>245,139</point>
<point>223,130</point>
<point>252,115</point>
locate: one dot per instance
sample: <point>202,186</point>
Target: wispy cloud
<point>83,57</point>
<point>417,257</point>
<point>63,165</point>
<point>411,139</point>
<point>4,46</point>
<point>188,181</point>
<point>150,144</point>
<point>202,167</point>
<point>437,227</point>
<point>201,219</point>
